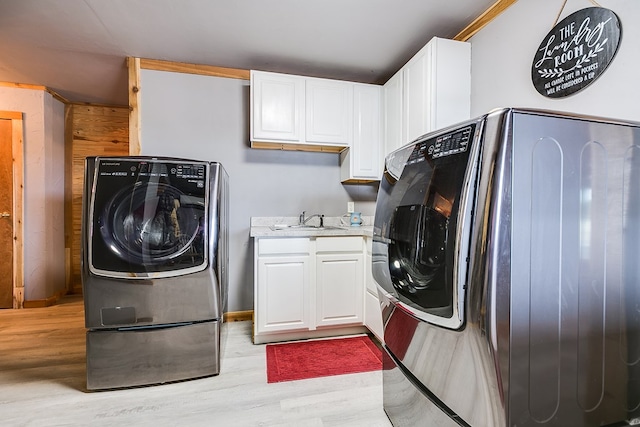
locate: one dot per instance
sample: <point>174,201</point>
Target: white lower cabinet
<point>280,276</point>
<point>308,287</point>
<point>339,281</point>
<point>282,285</point>
<point>372,308</point>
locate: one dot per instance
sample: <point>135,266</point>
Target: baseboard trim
<point>237,316</point>
<point>47,302</point>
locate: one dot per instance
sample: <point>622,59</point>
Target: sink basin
<point>305,227</point>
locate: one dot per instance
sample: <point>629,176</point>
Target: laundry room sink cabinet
<point>339,279</point>
<point>308,287</point>
<point>283,282</point>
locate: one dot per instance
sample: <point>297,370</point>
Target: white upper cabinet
<point>451,70</point>
<point>418,94</point>
<point>300,113</point>
<point>276,103</point>
<point>392,101</point>
<point>329,111</point>
<point>363,122</point>
<point>437,87</point>
<point>363,161</point>
<point>436,92</point>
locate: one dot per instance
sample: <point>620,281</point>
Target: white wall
<point>207,118</point>
<point>503,51</point>
<point>44,253</point>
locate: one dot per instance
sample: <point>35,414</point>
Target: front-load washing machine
<point>154,269</point>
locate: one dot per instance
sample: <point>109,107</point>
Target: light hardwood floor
<point>42,383</point>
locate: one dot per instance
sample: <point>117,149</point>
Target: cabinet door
<point>373,316</point>
<point>393,123</point>
<point>417,94</point>
<point>372,309</point>
<point>276,102</point>
<point>451,75</point>
<point>329,111</point>
<point>339,289</point>
<point>363,161</point>
<point>437,87</point>
<point>283,293</point>
<point>366,147</point>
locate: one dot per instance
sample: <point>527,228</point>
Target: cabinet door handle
<point>5,215</point>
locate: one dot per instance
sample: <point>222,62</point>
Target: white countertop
<point>264,227</point>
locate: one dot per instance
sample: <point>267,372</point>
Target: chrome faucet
<point>304,219</point>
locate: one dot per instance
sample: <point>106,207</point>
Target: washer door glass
<point>418,239</point>
<point>151,227</point>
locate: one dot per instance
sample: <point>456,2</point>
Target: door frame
<point>17,152</point>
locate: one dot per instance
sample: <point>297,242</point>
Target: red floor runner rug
<point>321,358</point>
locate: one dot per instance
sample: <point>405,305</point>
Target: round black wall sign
<point>576,52</point>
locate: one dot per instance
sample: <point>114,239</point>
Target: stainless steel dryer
<point>154,269</point>
<point>506,254</point>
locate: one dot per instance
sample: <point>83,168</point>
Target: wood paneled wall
<point>90,131</point>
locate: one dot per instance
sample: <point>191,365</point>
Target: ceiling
<point>77,48</point>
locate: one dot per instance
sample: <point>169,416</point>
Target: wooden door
<point>6,213</point>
